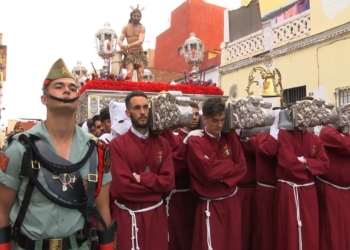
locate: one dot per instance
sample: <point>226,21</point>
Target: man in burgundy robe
<point>246,192</point>
<point>266,145</point>
<point>182,202</point>
<point>334,191</point>
<point>216,163</point>
<point>142,172</point>
<point>301,156</point>
<point>266,160</point>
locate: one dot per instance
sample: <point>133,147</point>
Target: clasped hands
<point>126,49</point>
<point>304,161</point>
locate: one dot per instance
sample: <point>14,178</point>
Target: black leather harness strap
<point>27,162</point>
<point>35,149</point>
<point>89,211</point>
<point>91,186</point>
<point>75,195</point>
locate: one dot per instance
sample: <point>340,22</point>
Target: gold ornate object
<point>272,80</point>
<point>250,112</point>
<point>56,244</point>
<point>137,7</point>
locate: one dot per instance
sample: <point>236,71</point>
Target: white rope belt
<point>265,185</point>
<point>333,185</point>
<point>167,199</point>
<point>297,206</point>
<point>207,213</point>
<point>134,229</point>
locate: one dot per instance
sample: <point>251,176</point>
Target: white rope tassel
<point>134,228</point>
<point>134,231</point>
<point>167,199</point>
<point>207,213</point>
<point>297,206</point>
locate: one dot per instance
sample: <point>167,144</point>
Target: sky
<point>39,32</point>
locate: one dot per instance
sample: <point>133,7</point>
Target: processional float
<point>170,103</point>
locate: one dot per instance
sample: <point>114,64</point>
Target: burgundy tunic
<point>216,165</point>
<point>246,194</point>
<point>152,159</point>
<point>266,160</point>
<point>334,202</point>
<point>182,205</point>
<point>294,144</point>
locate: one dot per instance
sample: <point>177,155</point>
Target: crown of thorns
<point>137,7</point>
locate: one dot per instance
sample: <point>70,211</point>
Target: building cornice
<point>288,48</point>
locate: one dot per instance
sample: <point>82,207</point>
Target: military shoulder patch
<point>107,160</point>
<point>4,160</point>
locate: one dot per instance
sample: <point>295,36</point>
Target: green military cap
<point>58,70</point>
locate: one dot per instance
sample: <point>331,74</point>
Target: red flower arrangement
<point>102,84</point>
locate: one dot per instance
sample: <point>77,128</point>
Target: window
<point>343,95</point>
<point>294,94</point>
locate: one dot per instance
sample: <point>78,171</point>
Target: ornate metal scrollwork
<point>311,113</point>
<point>92,101</point>
<point>249,113</point>
<point>272,80</point>
<point>170,110</point>
<point>344,115</point>
<point>303,111</point>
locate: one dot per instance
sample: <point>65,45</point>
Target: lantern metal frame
<point>106,45</point>
<point>79,73</point>
<point>193,51</point>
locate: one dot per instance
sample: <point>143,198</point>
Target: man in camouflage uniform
<point>52,180</point>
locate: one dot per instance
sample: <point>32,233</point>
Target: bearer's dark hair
<point>104,114</point>
<point>213,106</point>
<point>133,94</point>
<point>194,105</point>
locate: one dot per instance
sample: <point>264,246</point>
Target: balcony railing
<point>290,30</point>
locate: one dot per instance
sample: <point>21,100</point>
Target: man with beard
<point>135,57</point>
<point>142,172</point>
<point>216,163</point>
<point>181,203</point>
<point>51,178</point>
